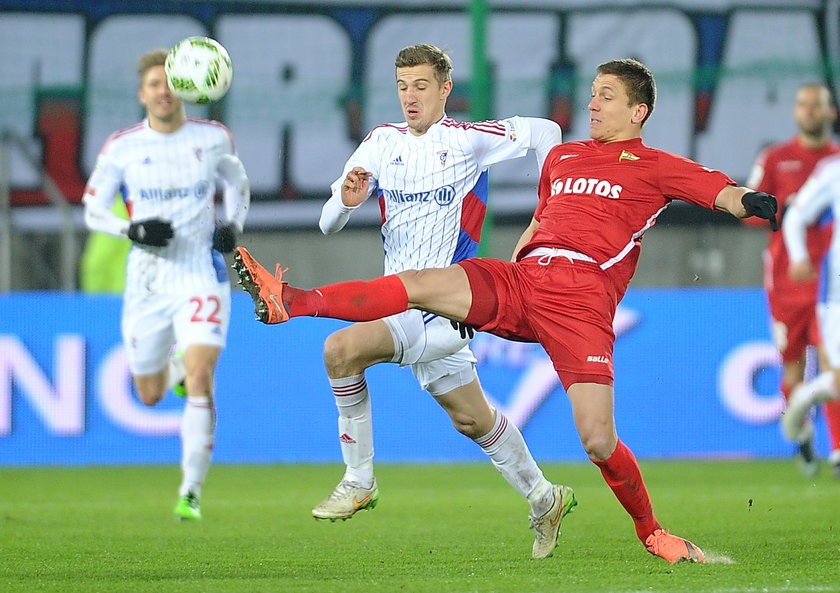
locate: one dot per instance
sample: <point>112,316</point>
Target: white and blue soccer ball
<point>198,70</point>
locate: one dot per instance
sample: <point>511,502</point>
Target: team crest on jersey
<point>442,154</point>
<point>199,153</point>
<point>626,155</point>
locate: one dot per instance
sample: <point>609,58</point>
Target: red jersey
<point>781,170</point>
<point>599,199</point>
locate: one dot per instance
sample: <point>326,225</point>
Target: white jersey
<point>818,201</point>
<point>433,189</point>
<point>171,177</point>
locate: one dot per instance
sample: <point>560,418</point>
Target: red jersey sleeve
<point>683,179</point>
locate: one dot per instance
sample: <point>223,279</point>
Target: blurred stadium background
<point>310,80</point>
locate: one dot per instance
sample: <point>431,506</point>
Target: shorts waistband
<point>546,253</point>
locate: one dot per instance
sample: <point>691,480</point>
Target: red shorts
<point>568,307</point>
<point>795,327</point>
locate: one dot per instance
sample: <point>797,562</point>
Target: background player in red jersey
<point>573,264</point>
<point>781,170</point>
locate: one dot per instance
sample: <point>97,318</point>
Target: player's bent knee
<point>344,357</point>
<point>598,447</point>
<point>466,424</point>
<point>150,398</point>
<point>338,353</point>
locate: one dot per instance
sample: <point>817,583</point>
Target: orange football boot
<point>672,548</point>
<point>265,289</point>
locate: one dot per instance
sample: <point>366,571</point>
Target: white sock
<point>355,431</point>
<point>177,371</point>
<point>509,453</point>
<point>197,428</point>
<point>819,389</point>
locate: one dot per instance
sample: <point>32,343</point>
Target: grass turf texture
<point>438,528</point>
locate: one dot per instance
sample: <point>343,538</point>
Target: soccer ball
<point>198,70</point>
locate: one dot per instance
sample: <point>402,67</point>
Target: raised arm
<point>237,199</point>
<point>545,135</point>
<point>237,190</point>
<point>348,194</point>
<point>100,191</point>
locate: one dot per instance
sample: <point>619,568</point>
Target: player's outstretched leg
<point>346,500</point>
<point>547,527</point>
<point>673,548</point>
<point>265,289</point>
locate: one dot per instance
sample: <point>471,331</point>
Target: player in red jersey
<point>781,170</point>
<point>573,264</point>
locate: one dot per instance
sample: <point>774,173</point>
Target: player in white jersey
<point>430,176</point>
<point>818,198</point>
<point>177,286</point>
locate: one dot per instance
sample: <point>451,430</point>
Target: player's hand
<point>224,238</point>
<point>463,329</point>
<point>152,231</point>
<point>354,189</point>
<point>801,271</point>
<point>758,203</point>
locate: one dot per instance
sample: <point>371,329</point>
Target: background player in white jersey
<point>177,287</point>
<point>430,176</point>
<point>819,196</point>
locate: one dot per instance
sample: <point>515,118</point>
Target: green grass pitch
<point>437,529</point>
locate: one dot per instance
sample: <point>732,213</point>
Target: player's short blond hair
<point>423,53</point>
<point>150,59</point>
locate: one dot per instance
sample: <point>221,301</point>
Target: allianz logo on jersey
<point>443,196</point>
<point>160,194</point>
<point>586,185</point>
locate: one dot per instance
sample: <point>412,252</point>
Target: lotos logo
<point>584,185</point>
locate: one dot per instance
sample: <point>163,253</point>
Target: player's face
<point>161,105</point>
<point>611,116</point>
<point>813,111</point>
<point>422,97</point>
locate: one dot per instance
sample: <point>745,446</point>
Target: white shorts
<point>439,357</point>
<point>828,314</point>
<point>153,323</point>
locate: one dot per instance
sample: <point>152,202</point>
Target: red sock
<point>832,419</point>
<point>622,474</point>
<point>352,301</point>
